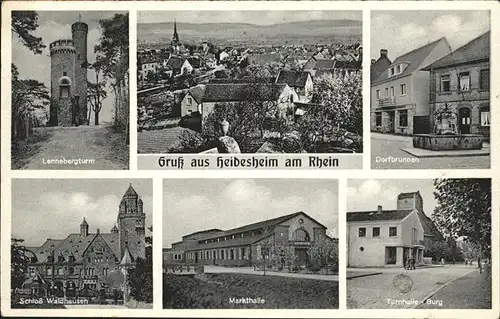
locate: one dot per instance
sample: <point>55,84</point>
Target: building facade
<point>388,237</point>
<point>68,85</point>
<point>400,96</point>
<point>460,83</point>
<point>83,263</point>
<point>204,97</point>
<point>247,245</point>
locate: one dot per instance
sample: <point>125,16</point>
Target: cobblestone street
<point>377,291</point>
<point>385,145</point>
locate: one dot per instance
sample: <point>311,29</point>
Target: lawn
<point>216,290</point>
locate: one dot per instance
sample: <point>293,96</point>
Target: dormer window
<point>392,71</point>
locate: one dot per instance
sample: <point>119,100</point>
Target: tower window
<point>65,73</point>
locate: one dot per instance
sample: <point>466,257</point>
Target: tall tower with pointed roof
<point>175,36</point>
<point>84,228</point>
<point>131,220</point>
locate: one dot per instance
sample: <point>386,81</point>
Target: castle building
<point>245,245</point>
<point>68,78</point>
<point>388,237</point>
<point>85,263</point>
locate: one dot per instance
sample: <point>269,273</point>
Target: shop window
<point>485,116</point>
<point>403,118</point>
<point>362,232</point>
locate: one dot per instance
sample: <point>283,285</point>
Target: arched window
<point>49,271</point>
<point>60,271</point>
<point>64,87</point>
<point>71,270</point>
<point>301,235</point>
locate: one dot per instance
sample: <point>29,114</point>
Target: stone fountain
<point>446,135</point>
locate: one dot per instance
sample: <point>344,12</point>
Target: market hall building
<point>243,246</point>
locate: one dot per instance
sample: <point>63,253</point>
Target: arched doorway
<point>300,237</point>
<point>70,289</point>
<point>464,120</point>
<point>58,289</point>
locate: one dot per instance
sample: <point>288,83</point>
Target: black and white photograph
<point>419,244</point>
<point>249,82</point>
<point>70,90</point>
<point>81,243</point>
<point>430,89</point>
<point>250,243</point>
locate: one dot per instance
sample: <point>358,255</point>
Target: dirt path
<point>78,148</point>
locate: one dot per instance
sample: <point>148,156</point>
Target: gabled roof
<point>428,225</point>
<point>293,78</point>
<point>476,50</point>
<point>127,258</point>
<point>175,62</point>
<point>110,239</point>
<point>413,59</point>
<point>324,64</point>
<point>236,92</point>
<point>378,67</point>
<point>348,64</point>
<point>375,215</point>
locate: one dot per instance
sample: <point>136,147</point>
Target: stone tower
<point>131,220</point>
<point>68,78</point>
<point>79,32</point>
<point>411,200</point>
<point>62,82</point>
<point>84,228</point>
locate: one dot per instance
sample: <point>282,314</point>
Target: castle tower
<point>411,200</point>
<point>131,220</point>
<point>62,82</point>
<point>79,31</point>
<point>84,228</point>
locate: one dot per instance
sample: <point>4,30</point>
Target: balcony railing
<point>300,243</point>
<point>388,101</point>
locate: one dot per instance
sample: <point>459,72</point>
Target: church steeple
<point>175,36</point>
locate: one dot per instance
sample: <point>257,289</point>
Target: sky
<point>54,208</point>
<point>402,31</point>
<point>268,17</point>
<point>55,25</point>
<point>367,194</point>
<point>191,205</point>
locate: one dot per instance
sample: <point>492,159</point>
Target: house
<point>399,101</point>
<point>147,65</point>
<point>179,65</point>
<point>460,82</point>
<point>379,66</point>
<point>300,81</point>
<point>388,237</point>
<point>203,98</point>
<point>246,245</point>
<point>81,262</point>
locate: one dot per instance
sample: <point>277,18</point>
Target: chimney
<point>98,231</point>
<point>373,61</point>
<point>379,209</point>
<point>383,53</point>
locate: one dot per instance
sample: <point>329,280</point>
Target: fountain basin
<point>436,142</point>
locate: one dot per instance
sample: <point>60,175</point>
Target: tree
<point>322,252</point>
<point>464,210</point>
<point>113,51</point>
<point>27,97</point>
<point>23,24</point>
<point>141,280</point>
<point>336,109</point>
<point>19,263</point>
<point>95,90</point>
